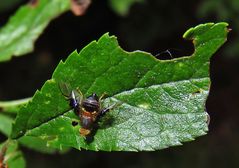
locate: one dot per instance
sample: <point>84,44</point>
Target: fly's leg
<point>105,110</point>
<point>101,100</point>
<point>81,96</point>
<point>63,91</point>
<point>102,96</point>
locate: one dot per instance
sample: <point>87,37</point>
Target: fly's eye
<point>94,95</point>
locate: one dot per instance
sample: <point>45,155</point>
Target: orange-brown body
<point>87,120</point>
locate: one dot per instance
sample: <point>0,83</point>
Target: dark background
<point>153,26</point>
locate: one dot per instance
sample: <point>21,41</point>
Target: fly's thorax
<point>90,106</point>
<point>91,103</point>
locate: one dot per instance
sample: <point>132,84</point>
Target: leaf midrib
<point>66,111</point>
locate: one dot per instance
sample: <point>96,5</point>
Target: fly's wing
<point>71,96</point>
<point>67,91</point>
<point>64,88</point>
<point>78,94</point>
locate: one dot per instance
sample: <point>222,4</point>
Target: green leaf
<point>163,101</point>
<point>39,145</point>
<point>18,36</point>
<point>33,143</point>
<point>13,157</point>
<point>5,124</point>
<point>12,106</point>
<point>122,7</point>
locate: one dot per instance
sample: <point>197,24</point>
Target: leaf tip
<point>107,36</point>
<point>193,32</point>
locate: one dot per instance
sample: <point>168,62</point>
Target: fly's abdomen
<point>86,122</point>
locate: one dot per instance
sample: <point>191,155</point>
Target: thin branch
<point>12,106</point>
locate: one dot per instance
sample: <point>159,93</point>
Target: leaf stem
<point>3,151</point>
<point>13,106</point>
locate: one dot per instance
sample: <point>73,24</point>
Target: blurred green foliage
<point>17,37</point>
<point>122,7</point>
<point>13,158</point>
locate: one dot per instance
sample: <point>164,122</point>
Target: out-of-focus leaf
<point>34,143</point>
<point>17,37</point>
<point>163,101</point>
<point>12,106</point>
<point>5,124</point>
<point>13,156</point>
<point>122,7</point>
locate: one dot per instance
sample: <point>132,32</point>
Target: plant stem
<point>12,106</point>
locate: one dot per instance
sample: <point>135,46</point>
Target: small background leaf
<point>18,36</point>
<point>122,7</point>
<point>163,101</point>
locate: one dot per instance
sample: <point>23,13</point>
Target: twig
<point>79,7</point>
<point>12,106</point>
